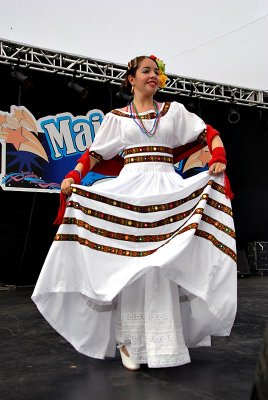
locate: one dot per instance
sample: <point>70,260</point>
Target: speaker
<point>243,270</point>
<point>258,257</point>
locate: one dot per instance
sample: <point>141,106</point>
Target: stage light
<point>122,95</point>
<point>80,90</point>
<point>24,80</point>
<point>191,106</point>
<point>233,116</point>
<point>262,124</point>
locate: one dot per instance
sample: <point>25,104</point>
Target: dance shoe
<point>127,362</point>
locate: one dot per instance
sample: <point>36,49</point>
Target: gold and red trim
<point>168,220</point>
<point>216,186</point>
<point>126,221</point>
<point>140,209</point>
<point>96,156</point>
<point>220,246</point>
<point>202,138</point>
<point>222,227</point>
<point>147,238</point>
<point>132,253</point>
<point>150,115</point>
<point>100,247</point>
<point>148,149</point>
<point>220,206</point>
<point>116,235</point>
<point>115,250</point>
<point>154,207</point>
<point>156,158</point>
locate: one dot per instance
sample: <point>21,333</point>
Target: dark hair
<point>132,67</point>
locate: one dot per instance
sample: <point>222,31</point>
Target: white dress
<point>147,259</point>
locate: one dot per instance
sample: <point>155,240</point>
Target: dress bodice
<point>120,129</point>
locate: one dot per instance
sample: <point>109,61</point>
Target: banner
<point>37,154</point>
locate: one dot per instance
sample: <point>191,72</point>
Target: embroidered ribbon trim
<point>152,237</point>
<point>150,115</point>
<point>133,253</point>
<point>95,155</point>
<point>164,159</point>
<point>140,209</point>
<point>148,149</point>
<point>156,207</point>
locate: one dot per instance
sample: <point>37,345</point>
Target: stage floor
<point>38,364</point>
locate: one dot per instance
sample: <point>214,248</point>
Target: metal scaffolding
<point>28,57</point>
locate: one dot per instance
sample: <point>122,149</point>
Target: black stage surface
<point>38,364</point>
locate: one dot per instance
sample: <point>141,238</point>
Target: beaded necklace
<point>150,133</point>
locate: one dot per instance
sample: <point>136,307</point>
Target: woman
<point>146,260</point>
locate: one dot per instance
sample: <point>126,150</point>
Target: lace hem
<point>161,361</point>
<point>153,339</point>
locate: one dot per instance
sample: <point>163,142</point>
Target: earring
<point>132,89</point>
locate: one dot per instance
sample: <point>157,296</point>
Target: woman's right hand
<point>66,186</point>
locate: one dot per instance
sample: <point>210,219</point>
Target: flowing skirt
<point>147,259</point>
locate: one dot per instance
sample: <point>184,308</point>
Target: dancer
<point>145,261</point>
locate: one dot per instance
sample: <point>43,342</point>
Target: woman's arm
<point>80,167</point>
<point>217,167</point>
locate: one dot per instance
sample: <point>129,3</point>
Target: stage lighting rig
<point>18,76</point>
<point>233,116</point>
<point>80,90</point>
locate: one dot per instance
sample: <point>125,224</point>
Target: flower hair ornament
<point>162,67</point>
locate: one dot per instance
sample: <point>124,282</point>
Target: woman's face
<point>146,79</point>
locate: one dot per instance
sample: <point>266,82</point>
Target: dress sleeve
<point>108,140</point>
<point>187,126</point>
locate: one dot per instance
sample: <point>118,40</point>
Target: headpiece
<point>162,67</point>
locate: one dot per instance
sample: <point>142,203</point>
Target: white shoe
<point>127,362</point>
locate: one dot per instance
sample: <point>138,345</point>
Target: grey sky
<point>218,41</point>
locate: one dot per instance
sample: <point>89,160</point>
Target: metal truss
<point>27,57</point>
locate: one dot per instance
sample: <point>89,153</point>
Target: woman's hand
<point>217,168</point>
<point>66,186</point>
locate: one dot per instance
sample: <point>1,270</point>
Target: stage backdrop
<point>49,125</point>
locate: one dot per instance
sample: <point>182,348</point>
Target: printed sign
<point>37,154</point>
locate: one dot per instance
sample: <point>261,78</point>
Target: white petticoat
<point>159,275</point>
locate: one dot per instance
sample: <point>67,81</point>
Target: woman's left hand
<point>217,168</point>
